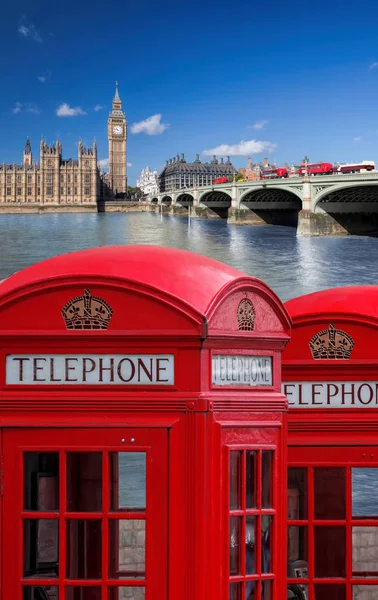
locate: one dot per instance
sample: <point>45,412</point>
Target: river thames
<point>290,265</point>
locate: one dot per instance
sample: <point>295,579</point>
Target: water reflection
<point>291,266</point>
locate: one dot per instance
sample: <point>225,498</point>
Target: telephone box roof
<point>359,301</point>
<point>189,277</point>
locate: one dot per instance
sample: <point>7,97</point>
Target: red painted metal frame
<point>105,440</point>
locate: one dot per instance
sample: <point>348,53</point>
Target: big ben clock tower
<point>117,134</point>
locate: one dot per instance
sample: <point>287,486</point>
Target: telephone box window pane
<point>41,481</point>
<point>40,592</point>
<point>267,590</point>
<point>84,481</point>
<point>83,593</point>
<point>41,546</point>
<point>329,493</point>
<point>330,544</point>
<point>251,479</point>
<point>365,592</point>
<point>235,479</point>
<point>252,590</point>
<point>336,592</point>
<point>267,461</point>
<point>236,591</point>
<point>83,549</point>
<point>235,528</point>
<point>266,539</point>
<point>250,537</point>
<point>294,592</point>
<point>365,551</point>
<point>126,593</point>
<point>365,492</point>
<point>297,547</point>
<point>127,481</point>
<point>297,494</point>
<point>127,549</point>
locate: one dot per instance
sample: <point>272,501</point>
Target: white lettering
<point>228,369</point>
<point>92,369</point>
<point>324,394</point>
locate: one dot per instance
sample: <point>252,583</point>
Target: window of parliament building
<point>55,181</point>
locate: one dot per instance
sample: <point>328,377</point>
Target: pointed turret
<point>27,154</point>
<point>116,95</point>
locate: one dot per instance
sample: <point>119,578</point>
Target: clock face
<point>117,129</point>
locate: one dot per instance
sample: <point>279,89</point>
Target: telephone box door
<point>85,514</point>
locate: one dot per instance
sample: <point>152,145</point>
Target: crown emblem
<point>87,312</point>
<point>331,344</point>
<point>246,315</point>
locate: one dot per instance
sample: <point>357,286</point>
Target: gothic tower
<point>27,154</point>
<point>117,134</point>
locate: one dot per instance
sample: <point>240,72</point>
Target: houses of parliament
<point>76,184</point>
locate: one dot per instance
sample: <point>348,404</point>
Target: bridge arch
<point>167,200</point>
<point>185,199</point>
<point>154,200</point>
<point>270,194</point>
<point>346,197</point>
<point>217,201</point>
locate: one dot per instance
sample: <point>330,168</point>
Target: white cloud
<point>358,138</point>
<point>26,107</point>
<point>244,148</point>
<point>28,30</point>
<point>129,164</point>
<point>97,107</point>
<point>41,78</point>
<point>150,126</point>
<point>259,124</point>
<point>65,110</point>
<point>374,65</point>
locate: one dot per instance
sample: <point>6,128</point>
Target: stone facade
<point>53,181</point>
<point>117,135</point>
<point>178,173</point>
<point>148,181</point>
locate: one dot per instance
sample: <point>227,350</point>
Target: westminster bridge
<point>320,205</point>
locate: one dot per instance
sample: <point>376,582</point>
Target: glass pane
<point>235,479</point>
<point>329,493</point>
<point>365,551</point>
<point>83,549</point>
<point>297,494</point>
<point>236,591</point>
<point>251,479</point>
<point>266,540</point>
<point>84,481</point>
<point>127,548</point>
<point>235,526</point>
<point>326,591</point>
<point>297,592</point>
<point>267,590</point>
<point>41,481</point>
<point>127,481</point>
<point>330,543</point>
<point>297,545</point>
<point>250,536</point>
<point>252,590</point>
<point>83,593</point>
<point>364,492</point>
<point>40,592</point>
<point>41,544</point>
<point>126,593</point>
<point>267,469</point>
<point>365,592</point>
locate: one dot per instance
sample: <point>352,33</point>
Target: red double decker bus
<point>220,180</point>
<point>321,168</point>
<point>274,174</point>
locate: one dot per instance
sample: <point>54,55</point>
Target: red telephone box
<point>143,429</point>
<point>330,378</point>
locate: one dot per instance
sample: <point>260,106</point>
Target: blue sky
<point>286,80</point>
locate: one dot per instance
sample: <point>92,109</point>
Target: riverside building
<point>178,173</point>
